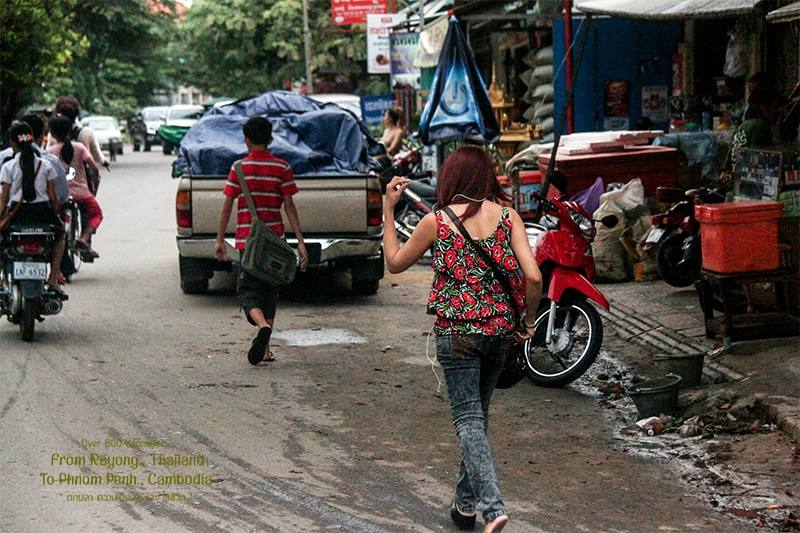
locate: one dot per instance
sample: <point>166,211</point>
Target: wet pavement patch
<point>318,337</point>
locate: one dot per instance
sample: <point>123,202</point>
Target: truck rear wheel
<point>194,286</point>
<point>195,274</point>
<point>166,147</point>
<point>366,286</point>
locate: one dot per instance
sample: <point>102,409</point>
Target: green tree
<point>245,47</point>
<point>36,45</point>
<point>125,59</point>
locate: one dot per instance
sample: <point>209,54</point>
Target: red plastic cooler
<point>740,236</point>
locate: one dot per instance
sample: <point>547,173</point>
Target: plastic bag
<point>736,54</point>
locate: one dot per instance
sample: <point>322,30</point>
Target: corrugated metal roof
<point>668,9</point>
<point>785,14</point>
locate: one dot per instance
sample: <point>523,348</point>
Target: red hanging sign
<point>355,11</point>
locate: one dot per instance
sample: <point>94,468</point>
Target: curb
<point>651,334</point>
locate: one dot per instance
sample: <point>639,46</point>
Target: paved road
<point>344,436</point>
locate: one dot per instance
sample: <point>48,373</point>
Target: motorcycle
<point>568,331</point>
<point>677,234</point>
<point>23,296</point>
<point>418,198</point>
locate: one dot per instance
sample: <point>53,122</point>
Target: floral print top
<point>465,297</point>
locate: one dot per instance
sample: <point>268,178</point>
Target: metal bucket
<point>688,367</point>
<point>657,396</point>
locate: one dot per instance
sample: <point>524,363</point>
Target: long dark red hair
<point>468,171</point>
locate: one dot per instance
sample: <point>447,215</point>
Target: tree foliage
<point>36,44</point>
<point>125,60</point>
<point>244,47</point>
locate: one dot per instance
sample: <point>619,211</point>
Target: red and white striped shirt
<point>270,180</point>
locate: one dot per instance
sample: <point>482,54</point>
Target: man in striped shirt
<point>271,185</point>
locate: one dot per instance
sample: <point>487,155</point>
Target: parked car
<point>177,121</point>
<point>350,102</point>
<point>144,127</point>
<point>106,130</point>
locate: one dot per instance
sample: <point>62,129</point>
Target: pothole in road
<point>318,337</point>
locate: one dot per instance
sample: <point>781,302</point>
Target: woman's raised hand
<point>394,190</point>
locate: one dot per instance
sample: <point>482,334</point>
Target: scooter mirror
<point>609,221</point>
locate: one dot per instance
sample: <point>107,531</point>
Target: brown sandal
<point>269,357</point>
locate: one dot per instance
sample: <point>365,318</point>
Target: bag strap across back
<point>246,191</point>
<point>501,277</point>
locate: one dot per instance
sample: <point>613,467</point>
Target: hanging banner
<point>655,105</point>
<point>378,47</point>
<point>459,108</point>
<point>430,43</point>
<point>404,46</point>
<point>355,11</point>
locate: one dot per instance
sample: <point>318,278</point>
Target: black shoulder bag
<point>513,368</point>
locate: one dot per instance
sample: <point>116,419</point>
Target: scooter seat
<point>423,189</point>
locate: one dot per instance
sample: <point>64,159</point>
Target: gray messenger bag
<point>266,256</point>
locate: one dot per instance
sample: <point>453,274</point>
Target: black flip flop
<point>462,521</point>
<point>259,346</point>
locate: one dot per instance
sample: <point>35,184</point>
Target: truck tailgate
<point>326,205</point>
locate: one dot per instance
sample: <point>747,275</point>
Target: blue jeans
<point>472,364</point>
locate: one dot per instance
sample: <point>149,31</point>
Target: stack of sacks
<point>539,80</point>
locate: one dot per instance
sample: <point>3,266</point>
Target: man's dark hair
<point>765,96</point>
<point>258,130</point>
<point>759,77</point>
<point>68,106</point>
<point>36,123</point>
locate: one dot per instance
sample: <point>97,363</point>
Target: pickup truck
<point>340,212</point>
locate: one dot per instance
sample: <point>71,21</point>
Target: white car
<point>350,102</point>
<point>106,130</point>
<point>183,116</point>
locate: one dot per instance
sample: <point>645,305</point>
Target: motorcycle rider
<point>69,107</point>
<point>28,193</point>
<point>75,155</point>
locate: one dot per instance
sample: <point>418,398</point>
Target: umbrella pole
<point>551,164</point>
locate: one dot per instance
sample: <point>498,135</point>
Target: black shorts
<point>38,213</point>
<point>255,294</point>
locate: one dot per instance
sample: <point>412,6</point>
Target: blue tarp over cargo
<point>313,138</point>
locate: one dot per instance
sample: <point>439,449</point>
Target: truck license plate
<point>655,235</point>
<point>30,271</point>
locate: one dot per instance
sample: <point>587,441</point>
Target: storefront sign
<point>616,105</point>
<point>355,11</point>
<point>378,47</point>
<point>374,107</point>
<point>655,105</point>
<point>404,46</point>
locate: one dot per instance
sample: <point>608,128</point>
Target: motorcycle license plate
<point>655,235</point>
<point>37,271</point>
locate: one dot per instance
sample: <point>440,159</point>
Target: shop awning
<point>668,9</point>
<point>785,14</point>
<point>409,16</point>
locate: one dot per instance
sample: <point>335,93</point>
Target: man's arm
<point>294,221</point>
<point>224,217</point>
<point>5,193</point>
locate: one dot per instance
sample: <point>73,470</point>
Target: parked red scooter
<point>568,331</point>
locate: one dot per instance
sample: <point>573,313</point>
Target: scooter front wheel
<point>576,341</point>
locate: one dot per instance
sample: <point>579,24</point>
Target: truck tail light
<point>374,208</point>
<point>183,209</point>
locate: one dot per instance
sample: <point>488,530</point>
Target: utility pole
<point>307,47</point>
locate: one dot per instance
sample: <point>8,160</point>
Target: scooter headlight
<point>584,224</point>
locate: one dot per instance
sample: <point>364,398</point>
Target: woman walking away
<point>27,189</point>
<point>75,155</point>
<point>474,316</point>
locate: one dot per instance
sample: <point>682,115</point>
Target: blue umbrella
<point>459,108</point>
